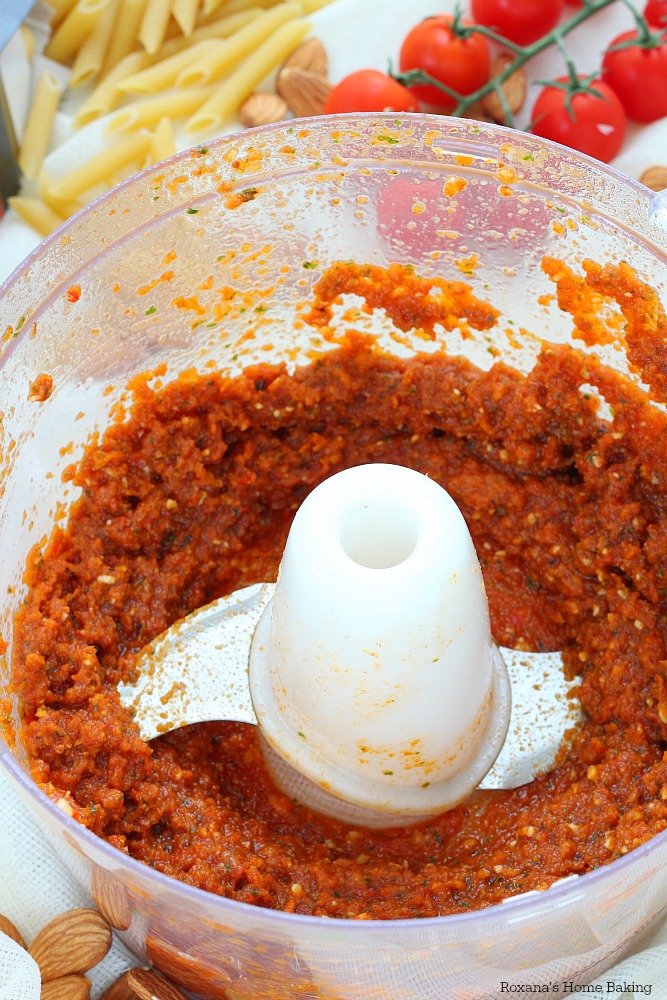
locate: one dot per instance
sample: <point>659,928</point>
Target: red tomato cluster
<point>638,76</point>
<point>462,64</point>
<point>655,13</point>
<point>591,120</point>
<point>589,115</point>
<point>520,22</point>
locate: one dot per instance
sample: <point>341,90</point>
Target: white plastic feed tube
<point>373,674</point>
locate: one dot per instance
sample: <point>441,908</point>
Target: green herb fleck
<point>151,310</point>
<point>191,211</point>
<point>309,265</point>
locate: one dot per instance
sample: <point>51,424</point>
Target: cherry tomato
<point>462,64</point>
<point>520,21</point>
<point>369,90</point>
<point>655,13</point>
<point>599,122</point>
<point>639,77</point>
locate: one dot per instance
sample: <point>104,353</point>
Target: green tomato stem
<point>522,54</point>
<point>644,33</point>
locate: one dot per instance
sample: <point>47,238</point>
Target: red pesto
<point>193,497</point>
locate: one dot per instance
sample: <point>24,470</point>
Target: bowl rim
<point>442,123</point>
<point>563,892</point>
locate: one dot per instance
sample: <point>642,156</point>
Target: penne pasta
<point>225,7</point>
<point>39,124</point>
<point>36,214</point>
<point>61,9</point>
<point>147,112</point>
<point>74,29</point>
<point>106,95</point>
<point>310,6</point>
<point>125,33</point>
<point>61,206</point>
<point>226,25</point>
<point>153,27</point>
<point>230,52</point>
<point>184,13</point>
<point>221,27</point>
<point>91,55</point>
<point>209,6</point>
<point>100,168</point>
<point>163,74</point>
<point>163,143</point>
<point>233,91</point>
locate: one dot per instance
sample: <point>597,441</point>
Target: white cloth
<point>19,973</point>
<point>34,887</point>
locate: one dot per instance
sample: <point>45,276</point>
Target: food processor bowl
<point>132,283</point>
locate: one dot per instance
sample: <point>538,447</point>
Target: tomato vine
<point>460,104</point>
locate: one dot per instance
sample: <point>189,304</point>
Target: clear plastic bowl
<point>92,307</point>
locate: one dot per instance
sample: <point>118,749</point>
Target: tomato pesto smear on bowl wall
<point>191,497</point>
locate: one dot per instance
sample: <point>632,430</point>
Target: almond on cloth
<point>120,990</point>
<point>72,942</point>
<point>304,91</point>
<point>310,55</point>
<point>262,109</point>
<point>66,988</point>
<point>111,899</point>
<point>655,178</point>
<point>150,985</point>
<point>514,89</point>
<point>8,928</point>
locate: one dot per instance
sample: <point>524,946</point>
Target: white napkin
<point>34,888</point>
<point>19,973</point>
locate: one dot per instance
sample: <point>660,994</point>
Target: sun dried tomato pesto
<point>192,497</point>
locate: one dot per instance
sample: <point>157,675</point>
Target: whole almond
<point>111,899</point>
<point>305,92</point>
<point>262,109</point>
<point>513,88</point>
<point>73,942</point>
<point>66,988</point>
<point>310,55</point>
<point>120,990</point>
<point>655,178</point>
<point>477,113</point>
<point>150,985</point>
<point>8,928</point>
